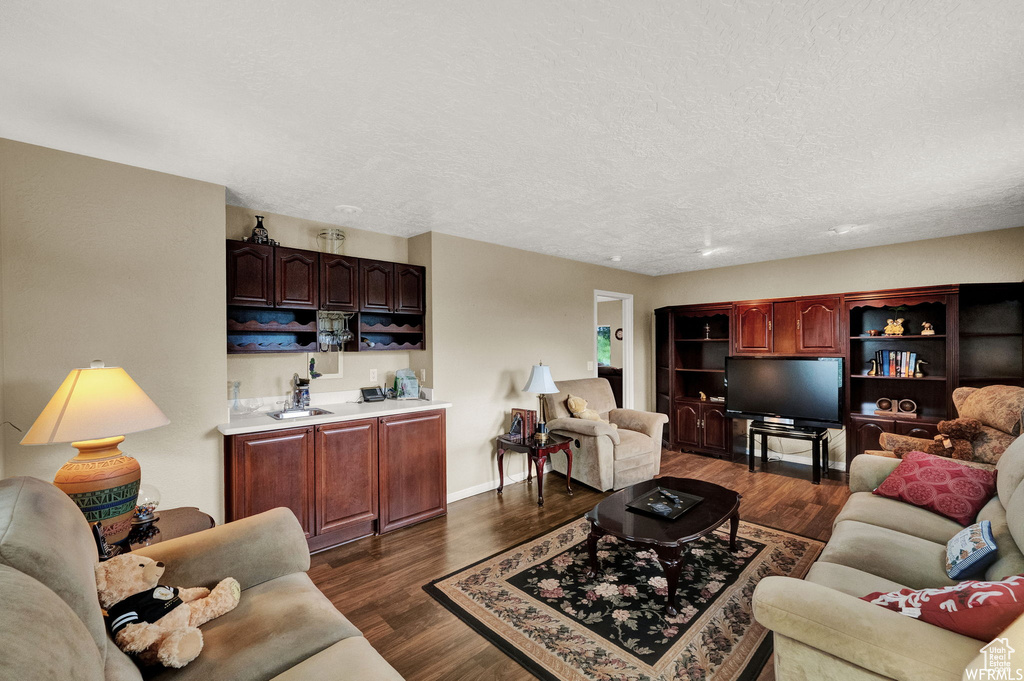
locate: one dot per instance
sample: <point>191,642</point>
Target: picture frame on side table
<point>529,419</point>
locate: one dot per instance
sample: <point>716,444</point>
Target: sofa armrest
<point>867,471</point>
<point>890,441</point>
<point>867,635</point>
<point>252,550</point>
<point>649,423</point>
<point>585,427</point>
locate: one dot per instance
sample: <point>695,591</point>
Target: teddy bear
<point>953,441</point>
<point>578,408</point>
<point>158,623</point>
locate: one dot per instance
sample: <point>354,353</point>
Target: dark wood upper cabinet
<point>411,451</point>
<point>753,327</point>
<point>410,283</point>
<point>296,276</point>
<point>339,283</point>
<point>268,470</point>
<point>250,269</point>
<point>784,327</point>
<point>817,325</point>
<point>346,478</point>
<point>376,286</point>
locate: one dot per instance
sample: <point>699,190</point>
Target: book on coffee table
<point>664,503</point>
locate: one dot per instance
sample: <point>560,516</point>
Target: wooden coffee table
<point>667,538</point>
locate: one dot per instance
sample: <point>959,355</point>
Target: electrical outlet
<point>590,366</point>
<point>423,375</point>
<point>373,376</point>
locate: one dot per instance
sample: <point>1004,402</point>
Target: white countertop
<point>344,411</point>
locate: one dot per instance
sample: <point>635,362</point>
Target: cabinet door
<point>376,286</point>
<point>687,425</point>
<point>818,325</point>
<point>339,283</point>
<point>409,288</point>
<point>273,469</point>
<point>714,427</point>
<point>917,429</point>
<point>411,451</point>
<point>784,327</point>
<point>866,433</point>
<point>346,477</point>
<point>754,327</point>
<point>296,275</point>
<point>250,269</point>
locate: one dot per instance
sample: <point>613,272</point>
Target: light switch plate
<point>590,366</point>
<point>373,376</point>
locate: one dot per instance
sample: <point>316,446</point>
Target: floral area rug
<point>537,604</point>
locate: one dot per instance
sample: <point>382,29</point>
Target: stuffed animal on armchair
<point>578,408</point>
<point>158,623</point>
<point>953,441</point>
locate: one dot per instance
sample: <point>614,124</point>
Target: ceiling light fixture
<point>707,251</point>
<point>616,258</point>
<point>842,229</point>
<point>351,210</point>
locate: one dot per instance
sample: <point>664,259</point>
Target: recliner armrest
<point>586,427</point>
<point>867,471</point>
<point>882,641</point>
<point>253,550</point>
<point>647,422</point>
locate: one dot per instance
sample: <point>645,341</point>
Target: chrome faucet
<point>300,392</point>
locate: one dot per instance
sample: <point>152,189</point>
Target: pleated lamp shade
<point>93,409</point>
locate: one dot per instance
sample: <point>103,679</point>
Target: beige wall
<point>496,312</point>
<point>609,313</point>
<point>980,257</point>
<point>270,374</point>
<point>106,261</point>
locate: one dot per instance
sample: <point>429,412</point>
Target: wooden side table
<point>539,453</point>
<point>176,522</point>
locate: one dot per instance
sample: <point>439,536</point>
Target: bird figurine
<point>874,367</point>
<point>918,372</point>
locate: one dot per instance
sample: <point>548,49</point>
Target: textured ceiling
<point>581,129</point>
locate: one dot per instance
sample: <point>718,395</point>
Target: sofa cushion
<point>849,580</point>
<point>40,636</point>
<point>352,659</point>
<point>980,610</point>
<point>633,444</point>
<point>45,535</point>
<point>869,508</point>
<point>941,485</point>
<point>276,625</point>
<point>1011,471</point>
<point>991,444</point>
<point>902,558</point>
<point>970,551</point>
<point>998,406</point>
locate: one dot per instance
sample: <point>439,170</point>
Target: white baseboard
<point>491,485</point>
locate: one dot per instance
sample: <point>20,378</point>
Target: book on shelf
<point>896,363</point>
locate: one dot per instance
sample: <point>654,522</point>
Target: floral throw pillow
<point>940,485</point>
<point>970,551</point>
<point>980,610</point>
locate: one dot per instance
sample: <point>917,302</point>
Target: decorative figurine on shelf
<point>260,235</point>
<point>703,397</point>
<point>874,367</point>
<point>918,372</point>
<point>707,332</point>
<point>313,373</point>
<point>927,329</point>
<point>894,328</point>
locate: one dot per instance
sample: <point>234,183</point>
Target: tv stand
<point>818,436</point>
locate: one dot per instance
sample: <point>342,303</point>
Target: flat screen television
<point>802,391</point>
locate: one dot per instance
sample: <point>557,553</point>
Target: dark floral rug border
<point>535,602</point>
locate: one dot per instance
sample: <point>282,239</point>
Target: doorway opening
<point>613,343</point>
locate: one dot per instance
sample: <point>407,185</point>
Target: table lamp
<point>540,382</point>
<point>93,409</point>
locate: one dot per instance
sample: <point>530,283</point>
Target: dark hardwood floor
<point>377,582</point>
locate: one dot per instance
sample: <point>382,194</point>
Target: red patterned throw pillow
<point>941,485</point>
<point>980,610</point>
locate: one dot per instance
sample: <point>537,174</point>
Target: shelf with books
<point>901,378</point>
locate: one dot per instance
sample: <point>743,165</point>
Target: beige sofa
<point>51,625</point>
<point>608,458</point>
<point>824,631</point>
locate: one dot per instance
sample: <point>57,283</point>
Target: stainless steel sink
<point>297,413</point>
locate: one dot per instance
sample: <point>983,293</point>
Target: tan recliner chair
<point>608,458</point>
<point>51,625</point>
